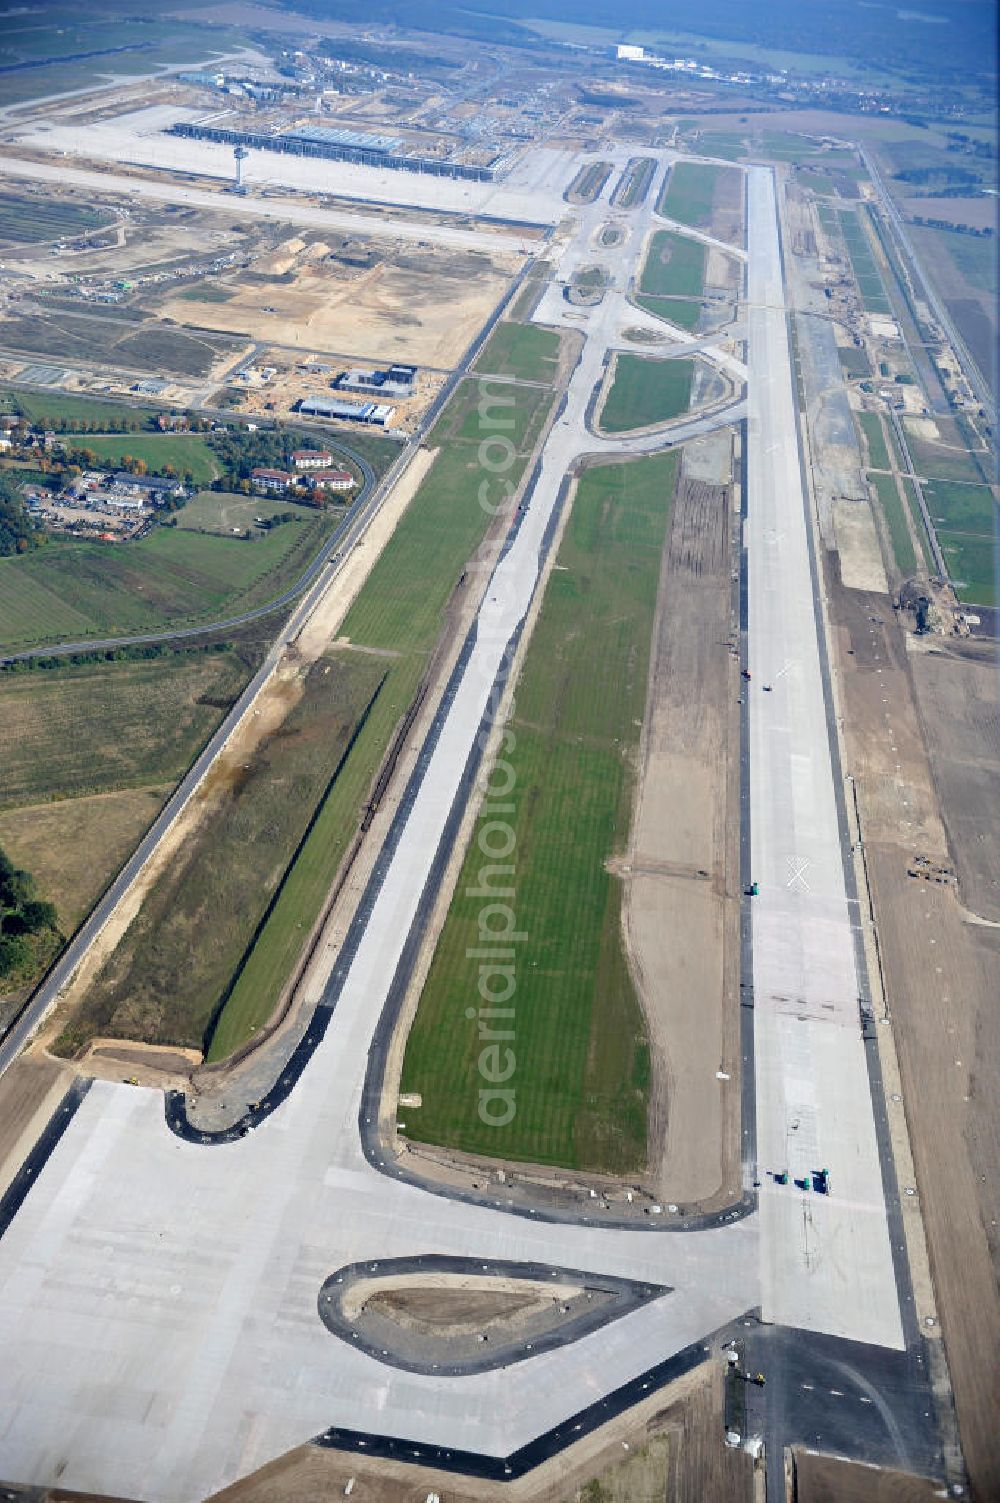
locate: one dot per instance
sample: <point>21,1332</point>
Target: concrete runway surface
<point>158,1298</point>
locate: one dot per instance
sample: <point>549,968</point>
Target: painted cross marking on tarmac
<point>798,866</point>
<point>783,671</point>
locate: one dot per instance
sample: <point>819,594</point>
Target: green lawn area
<point>866,272</point>
<point>683,312</point>
<point>945,458</point>
<point>871,426</point>
<point>646,391</point>
<point>525,351</point>
<point>972,563</point>
<point>400,610</point>
<point>185,451</point>
<point>688,192</point>
<point>961,508</point>
<point>51,406</point>
<point>854,362</point>
<point>582,1064</point>
<point>723,144</point>
<point>223,513</point>
<point>895,516</point>
<point>70,590</point>
<point>917,516</point>
<point>674,266</point>
<point>207,292</point>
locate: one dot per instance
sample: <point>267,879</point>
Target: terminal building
<point>334,145</point>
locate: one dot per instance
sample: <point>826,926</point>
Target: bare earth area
<point>940,973</point>
<point>681,908</point>
<point>669,1449</point>
<point>829,1479</point>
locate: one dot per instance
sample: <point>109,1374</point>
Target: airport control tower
<point>241,154</point>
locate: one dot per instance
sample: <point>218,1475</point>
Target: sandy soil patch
<point>861,566</point>
<point>389,312</point>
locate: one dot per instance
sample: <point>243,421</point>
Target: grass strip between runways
<point>399,612</point>
<point>579,1055</point>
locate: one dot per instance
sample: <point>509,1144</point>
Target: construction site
<point>642,698</point>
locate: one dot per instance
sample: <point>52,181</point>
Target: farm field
<point>871,426</point>
<point>645,392</point>
<point>164,982</point>
<point>582,1059</point>
<point>399,611</point>
<point>524,351</point>
<point>27,219</point>
<point>171,577</point>
<point>94,727</point>
<point>895,516</point>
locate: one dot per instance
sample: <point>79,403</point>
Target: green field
<point>946,458</point>
<point>683,312</point>
<point>582,1064</point>
<point>866,272</point>
<point>207,292</point>
<point>646,391</point>
<point>674,266</point>
<point>855,363</point>
<point>961,508</point>
<point>688,193</point>
<point>400,610</point>
<point>34,218</point>
<point>96,727</point>
<point>972,563</point>
<point>725,144</point>
<point>878,454</point>
<point>184,451</point>
<point>522,350</point>
<point>53,407</point>
<point>920,527</point>
<point>170,578</point>
<point>895,516</point>
<point>223,513</point>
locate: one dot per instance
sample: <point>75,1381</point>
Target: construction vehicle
<point>753,891</point>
